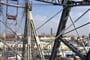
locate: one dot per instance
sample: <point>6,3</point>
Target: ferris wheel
<point>71,25</point>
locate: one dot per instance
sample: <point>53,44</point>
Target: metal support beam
<point>74,49</point>
<point>13,5</point>
<point>60,30</point>
<point>31,39</point>
<point>63,2</point>
<point>88,55</point>
<point>26,51</point>
<point>25,35</point>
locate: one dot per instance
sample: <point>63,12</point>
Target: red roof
<point>10,36</point>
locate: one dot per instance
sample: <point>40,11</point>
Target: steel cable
<point>78,34</point>
<point>77,28</point>
<point>74,26</point>
<point>78,19</point>
<point>48,20</point>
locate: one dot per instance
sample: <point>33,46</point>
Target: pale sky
<point>42,12</point>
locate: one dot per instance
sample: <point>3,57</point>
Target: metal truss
<point>67,5</point>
